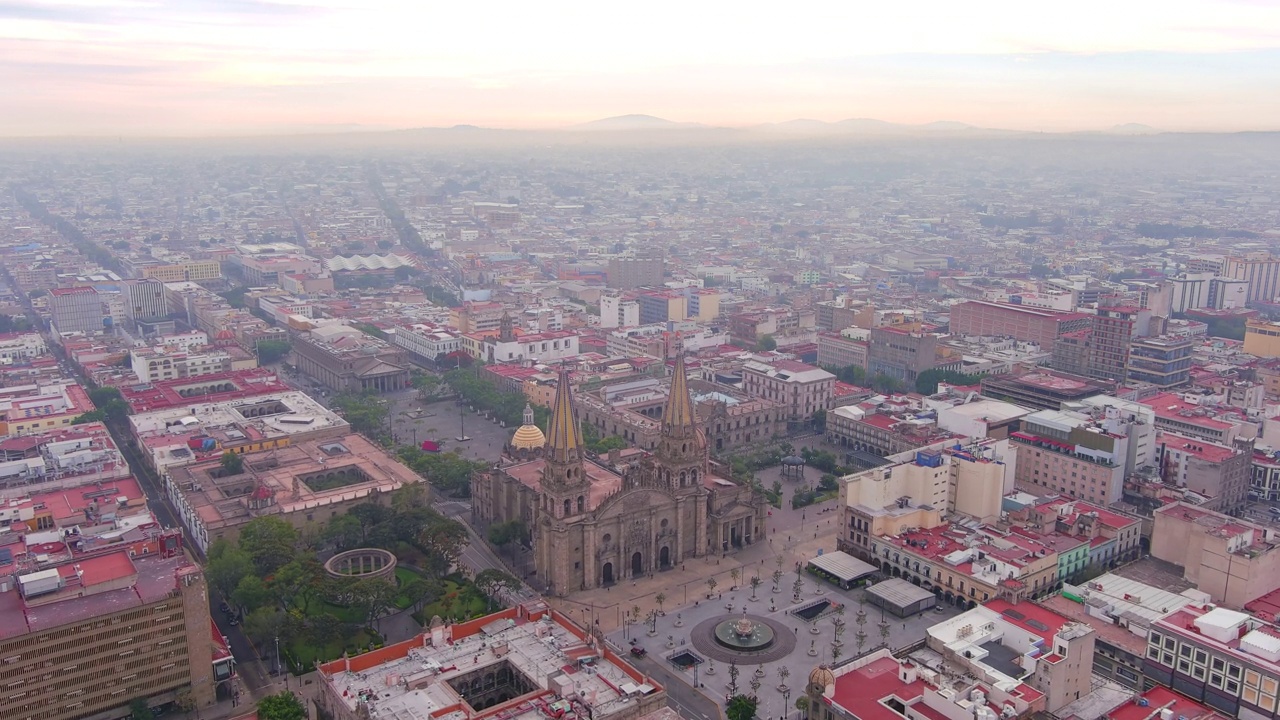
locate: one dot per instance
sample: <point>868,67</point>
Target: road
<point>477,555</point>
<point>681,696</point>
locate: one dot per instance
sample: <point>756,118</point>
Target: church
<point>595,521</point>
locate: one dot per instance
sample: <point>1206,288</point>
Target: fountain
<point>744,634</point>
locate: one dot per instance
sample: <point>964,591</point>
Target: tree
<point>264,625</point>
<point>820,420</point>
<point>298,582</point>
<point>185,700</point>
<point>734,574</point>
<point>494,582</point>
<point>284,705</point>
<point>365,412</point>
<point>927,381</point>
<point>740,707</point>
<point>660,598</point>
<point>733,677</point>
<point>140,710</point>
<point>443,540</point>
<point>344,531</point>
<point>711,585</point>
<point>802,704</point>
<point>232,463</point>
<point>270,541</point>
<point>272,351</point>
<point>755,583</point>
<point>767,343</point>
<point>227,566</point>
<point>251,593</point>
<point>373,597</point>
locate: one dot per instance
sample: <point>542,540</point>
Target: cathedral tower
<point>564,481</point>
<point>681,454</point>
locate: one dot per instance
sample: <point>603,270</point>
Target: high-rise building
<point>86,638</point>
<point>1260,270</point>
<point>1080,455</point>
<point>618,311</point>
<point>1163,361</point>
<point>77,309</point>
<point>144,301</point>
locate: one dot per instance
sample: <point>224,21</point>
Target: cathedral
<point>595,521</point>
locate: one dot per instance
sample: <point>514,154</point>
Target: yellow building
<point>192,270</point>
<point>1262,338</point>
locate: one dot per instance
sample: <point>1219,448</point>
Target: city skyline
<point>131,67</point>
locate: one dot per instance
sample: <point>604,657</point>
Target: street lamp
<point>786,703</point>
<point>277,654</point>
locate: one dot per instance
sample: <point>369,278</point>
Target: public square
<point>680,636</point>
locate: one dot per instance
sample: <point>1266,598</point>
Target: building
<point>1231,559</point>
<point>1029,324</point>
<point>160,364</point>
<point>85,638</point>
<point>916,491</point>
<point>77,310</point>
<point>1082,456</point>
<point>964,567</point>
<point>305,483</point>
<point>799,389</point>
<point>617,311</point>
<point>1163,360</point>
<point>1113,538</point>
<point>878,686</point>
<point>1262,338</point>
<point>30,409</point>
<point>662,306</point>
<point>903,354</point>
<point>839,351</point>
<point>219,387</point>
<point>1162,699</point>
<point>627,273</point>
<point>1122,612</point>
<point>1260,271</point>
<point>1221,425</point>
<point>642,514</point>
<point>19,348</point>
<point>144,301</point>
<point>477,317</point>
<point>1226,659</point>
<point>1109,340</point>
<point>425,343</point>
<point>524,663</point>
<point>862,429</point>
<point>1006,643</point>
<point>188,270</point>
<point>512,345</point>
<point>63,457</point>
<point>346,360</point>
<point>1217,474</point>
<point>205,428</point>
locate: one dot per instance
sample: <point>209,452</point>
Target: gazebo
<point>793,467</point>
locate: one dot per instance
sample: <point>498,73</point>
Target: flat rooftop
<point>411,680</point>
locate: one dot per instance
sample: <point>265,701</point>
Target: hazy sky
<point>233,66</point>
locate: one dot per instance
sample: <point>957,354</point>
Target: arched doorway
<point>637,565</point>
<point>664,557</point>
<point>606,574</point>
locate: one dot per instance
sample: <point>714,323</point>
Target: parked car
<point>638,651</point>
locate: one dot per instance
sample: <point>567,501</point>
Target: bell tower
<point>681,454</point>
<point>564,481</point>
<point>506,328</point>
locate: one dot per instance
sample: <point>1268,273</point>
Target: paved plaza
<point>681,636</point>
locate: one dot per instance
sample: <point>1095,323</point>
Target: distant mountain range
<point>852,126</point>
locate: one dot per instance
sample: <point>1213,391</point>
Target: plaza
<point>680,639</point>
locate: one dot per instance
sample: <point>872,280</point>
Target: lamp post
<point>277,654</point>
<point>786,703</point>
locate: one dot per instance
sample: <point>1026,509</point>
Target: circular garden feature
<point>363,564</point>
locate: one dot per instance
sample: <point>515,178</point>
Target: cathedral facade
<point>597,521</point>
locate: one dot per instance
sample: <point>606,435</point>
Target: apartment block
<point>1082,456</point>
<point>617,311</point>
<point>1231,559</point>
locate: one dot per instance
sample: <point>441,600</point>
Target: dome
<point>822,677</point>
<point>528,437</point>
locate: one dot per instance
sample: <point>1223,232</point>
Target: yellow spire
<point>564,437</point>
<point>678,413</point>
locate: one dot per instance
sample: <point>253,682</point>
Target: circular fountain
<point>744,634</point>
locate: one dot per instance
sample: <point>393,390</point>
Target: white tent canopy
<point>842,565</point>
